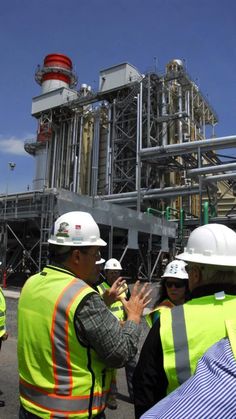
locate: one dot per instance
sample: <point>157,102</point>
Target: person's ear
<point>194,277</point>
<point>76,256</point>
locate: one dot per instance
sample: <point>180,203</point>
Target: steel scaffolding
<point>139,142</point>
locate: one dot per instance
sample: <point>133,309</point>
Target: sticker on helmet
<point>77,239</point>
<point>62,230</point>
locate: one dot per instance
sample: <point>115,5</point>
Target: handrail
<point>153,211</point>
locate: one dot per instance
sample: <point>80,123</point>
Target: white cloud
<point>13,145</point>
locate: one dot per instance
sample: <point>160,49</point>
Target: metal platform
<point>139,240</point>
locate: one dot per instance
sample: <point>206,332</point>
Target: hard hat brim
<point>208,260</point>
<point>100,262</point>
<point>61,241</point>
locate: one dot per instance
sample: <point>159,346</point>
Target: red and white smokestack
<point>57,71</point>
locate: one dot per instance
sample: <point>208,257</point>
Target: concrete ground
<point>9,385</point>
<point>9,374</point>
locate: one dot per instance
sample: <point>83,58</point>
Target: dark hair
<point>163,295</point>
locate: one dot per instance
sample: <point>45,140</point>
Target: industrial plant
<point>140,154</point>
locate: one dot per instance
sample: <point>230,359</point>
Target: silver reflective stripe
<point>183,370</point>
<point>53,402</point>
<point>103,288</point>
<point>116,308</point>
<point>59,332</point>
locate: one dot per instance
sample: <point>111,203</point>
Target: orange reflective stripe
<point>58,403</point>
<point>59,338</point>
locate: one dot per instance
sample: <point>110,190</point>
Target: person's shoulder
<point>166,303</point>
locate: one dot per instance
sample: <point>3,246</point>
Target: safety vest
<point>152,317</point>
<point>116,308</point>
<point>231,333</point>
<point>2,314</point>
<point>59,377</point>
<point>188,330</point>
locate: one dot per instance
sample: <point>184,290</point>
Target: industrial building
<point>140,154</point>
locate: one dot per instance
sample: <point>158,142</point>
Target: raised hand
<point>114,293</point>
<point>140,298</point>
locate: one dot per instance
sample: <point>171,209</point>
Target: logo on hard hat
<point>62,230</point>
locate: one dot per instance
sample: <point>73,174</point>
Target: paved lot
<point>9,375</point>
<point>9,385</point>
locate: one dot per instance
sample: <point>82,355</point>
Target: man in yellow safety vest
<point>183,334</point>
<point>68,341</point>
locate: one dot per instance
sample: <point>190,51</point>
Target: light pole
<point>11,166</point>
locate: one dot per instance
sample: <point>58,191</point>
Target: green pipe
<point>206,212</point>
<point>168,212</point>
<point>153,211</point>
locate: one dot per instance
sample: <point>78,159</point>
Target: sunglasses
<point>170,284</point>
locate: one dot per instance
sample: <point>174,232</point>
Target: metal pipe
<point>108,153</point>
<point>187,110</point>
<point>62,140</point>
<point>180,109</point>
<point>148,112</point>
<point>200,184</point>
<point>141,116</point>
<point>74,153</point>
<point>203,121</point>
<point>68,155</point>
<point>181,223</point>
<point>149,257</point>
<point>211,169</point>
<point>145,192</point>
<point>216,178</point>
<point>163,112</point>
<point>111,175</point>
<point>79,152</point>
<point>54,161</point>
<point>155,264</point>
<point>94,180</point>
<point>137,144</point>
<point>23,247</point>
<point>110,243</point>
<point>190,147</point>
<point>132,199</point>
<point>123,254</point>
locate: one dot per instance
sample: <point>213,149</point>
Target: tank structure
<point>114,143</point>
<point>134,154</point>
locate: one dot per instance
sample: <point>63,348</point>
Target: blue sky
<point>96,34</point>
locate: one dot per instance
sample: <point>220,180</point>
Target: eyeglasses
<point>96,255</point>
<point>170,284</point>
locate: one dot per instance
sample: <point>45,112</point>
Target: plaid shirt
<point>96,326</point>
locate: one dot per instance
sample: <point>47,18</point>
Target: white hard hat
<point>113,265</point>
<point>211,244</point>
<point>176,269</point>
<point>100,262</point>
<point>76,228</point>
